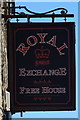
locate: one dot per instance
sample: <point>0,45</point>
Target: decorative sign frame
<point>42,66</point>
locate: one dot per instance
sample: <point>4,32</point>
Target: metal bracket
<point>13,14</point>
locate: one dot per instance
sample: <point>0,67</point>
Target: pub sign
<point>42,66</point>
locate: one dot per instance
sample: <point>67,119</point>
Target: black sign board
<point>42,66</point>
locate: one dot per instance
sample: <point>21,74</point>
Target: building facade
<point>4,106</point>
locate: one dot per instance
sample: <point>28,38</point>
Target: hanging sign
<point>42,66</point>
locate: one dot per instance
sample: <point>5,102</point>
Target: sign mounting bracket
<point>11,9</point>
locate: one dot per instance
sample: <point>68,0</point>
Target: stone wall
<point>3,64</point>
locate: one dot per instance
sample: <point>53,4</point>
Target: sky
<point>46,0</point>
<point>72,8</point>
